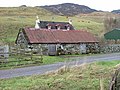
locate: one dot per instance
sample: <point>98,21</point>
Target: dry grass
<point>93,76</point>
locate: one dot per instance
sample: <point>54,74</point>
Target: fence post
<point>101,84</point>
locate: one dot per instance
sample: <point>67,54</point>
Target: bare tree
<point>111,22</point>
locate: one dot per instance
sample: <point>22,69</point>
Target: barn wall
<point>21,40</point>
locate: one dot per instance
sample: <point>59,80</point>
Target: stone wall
<point>110,48</point>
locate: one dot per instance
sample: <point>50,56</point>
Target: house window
<point>58,27</point>
<point>68,28</point>
<point>49,27</point>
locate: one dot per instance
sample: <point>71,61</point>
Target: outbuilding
<point>54,40</point>
<point>113,35</point>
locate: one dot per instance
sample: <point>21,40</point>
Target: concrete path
<point>35,70</point>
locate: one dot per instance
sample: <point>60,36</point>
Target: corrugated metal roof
<point>58,36</point>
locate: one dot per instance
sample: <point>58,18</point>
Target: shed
<point>113,35</point>
<point>56,38</point>
<point>45,36</point>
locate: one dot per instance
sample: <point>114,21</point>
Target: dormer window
<point>49,26</point>
<point>67,26</point>
<point>58,26</point>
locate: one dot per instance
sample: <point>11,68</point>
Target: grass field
<point>84,77</point>
<point>12,19</point>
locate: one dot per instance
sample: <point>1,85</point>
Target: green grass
<point>52,59</point>
<point>84,77</point>
<point>23,61</point>
<point>110,64</point>
<point>89,25</point>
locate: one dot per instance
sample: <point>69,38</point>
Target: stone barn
<point>54,42</point>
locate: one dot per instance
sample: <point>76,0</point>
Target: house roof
<point>44,24</point>
<point>113,35</point>
<point>45,36</point>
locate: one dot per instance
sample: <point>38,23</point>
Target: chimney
<point>70,21</point>
<point>37,22</point>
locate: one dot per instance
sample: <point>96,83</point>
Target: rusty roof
<point>45,36</point>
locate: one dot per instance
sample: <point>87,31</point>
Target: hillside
<point>14,18</point>
<point>69,9</point>
<point>97,16</point>
<point>23,11</point>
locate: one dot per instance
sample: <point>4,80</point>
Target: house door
<point>82,48</point>
<point>52,49</point>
